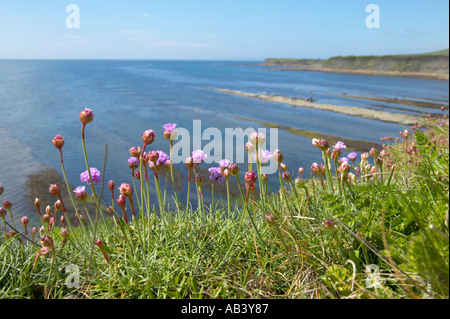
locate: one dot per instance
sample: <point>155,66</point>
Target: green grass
<point>305,242</point>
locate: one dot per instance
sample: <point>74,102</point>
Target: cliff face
<point>437,64</point>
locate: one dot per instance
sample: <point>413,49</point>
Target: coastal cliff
<point>434,65</point>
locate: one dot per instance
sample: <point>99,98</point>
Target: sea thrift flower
<point>234,169</point>
<point>33,232</point>
<point>133,162</point>
<point>216,175</point>
<point>111,185</point>
<point>199,156</point>
<point>364,156</point>
<point>58,141</point>
<point>257,138</point>
<point>352,156</point>
<point>7,204</point>
<point>329,224</point>
<point>80,193</point>
<point>286,176</point>
<point>264,156</point>
<point>224,164</point>
<point>301,170</point>
<point>315,168</point>
<point>54,189</point>
<point>249,147</point>
<point>65,236</point>
<point>199,179</point>
<point>95,173</point>
<point>126,190</point>
<point>135,151</point>
<point>86,116</point>
<point>322,144</point>
<point>152,157</point>
<point>373,152</point>
<point>148,137</point>
<point>162,158</point>
<point>189,162</point>
<point>169,131</point>
<point>278,156</point>
<point>57,205</point>
<point>250,177</point>
<point>339,146</point>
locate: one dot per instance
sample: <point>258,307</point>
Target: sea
<point>42,98</point>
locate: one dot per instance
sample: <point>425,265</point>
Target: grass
<point>358,232</point>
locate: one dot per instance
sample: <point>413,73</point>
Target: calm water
<point>39,99</point>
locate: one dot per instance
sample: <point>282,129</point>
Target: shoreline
<point>353,111</point>
<point>421,75</point>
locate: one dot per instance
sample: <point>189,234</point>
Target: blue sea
<point>39,99</point>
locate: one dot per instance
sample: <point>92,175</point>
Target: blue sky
<point>219,30</point>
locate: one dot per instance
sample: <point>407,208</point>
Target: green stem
<point>173,180</point>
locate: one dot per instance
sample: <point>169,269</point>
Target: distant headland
<point>432,65</point>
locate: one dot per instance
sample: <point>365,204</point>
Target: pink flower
<point>339,146</point>
<point>80,193</point>
<point>95,173</point>
<point>199,156</point>
<point>169,131</point>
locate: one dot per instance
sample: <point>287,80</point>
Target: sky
<point>219,30</point>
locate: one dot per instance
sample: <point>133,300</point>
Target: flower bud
<point>364,156</point>
<point>46,218</point>
<point>33,231</point>
<point>110,210</point>
<point>373,152</point>
<point>135,151</point>
<point>42,230</point>
<point>249,147</point>
<point>264,178</point>
<point>126,190</point>
<point>47,241</point>
<point>278,156</point>
<point>153,156</point>
<point>137,174</point>
<point>7,204</point>
<point>283,167</point>
<point>199,179</point>
<point>148,137</point>
<point>54,189</point>
<point>250,177</point>
<point>234,169</point>
<point>25,221</point>
<point>58,141</point>
<point>2,212</point>
<point>37,202</point>
<point>329,224</point>
<point>189,162</point>
<point>121,201</point>
<point>286,176</point>
<point>111,185</point>
<point>86,116</point>
<point>57,205</point>
<point>1,188</point>
<point>65,233</point>
<point>48,210</point>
